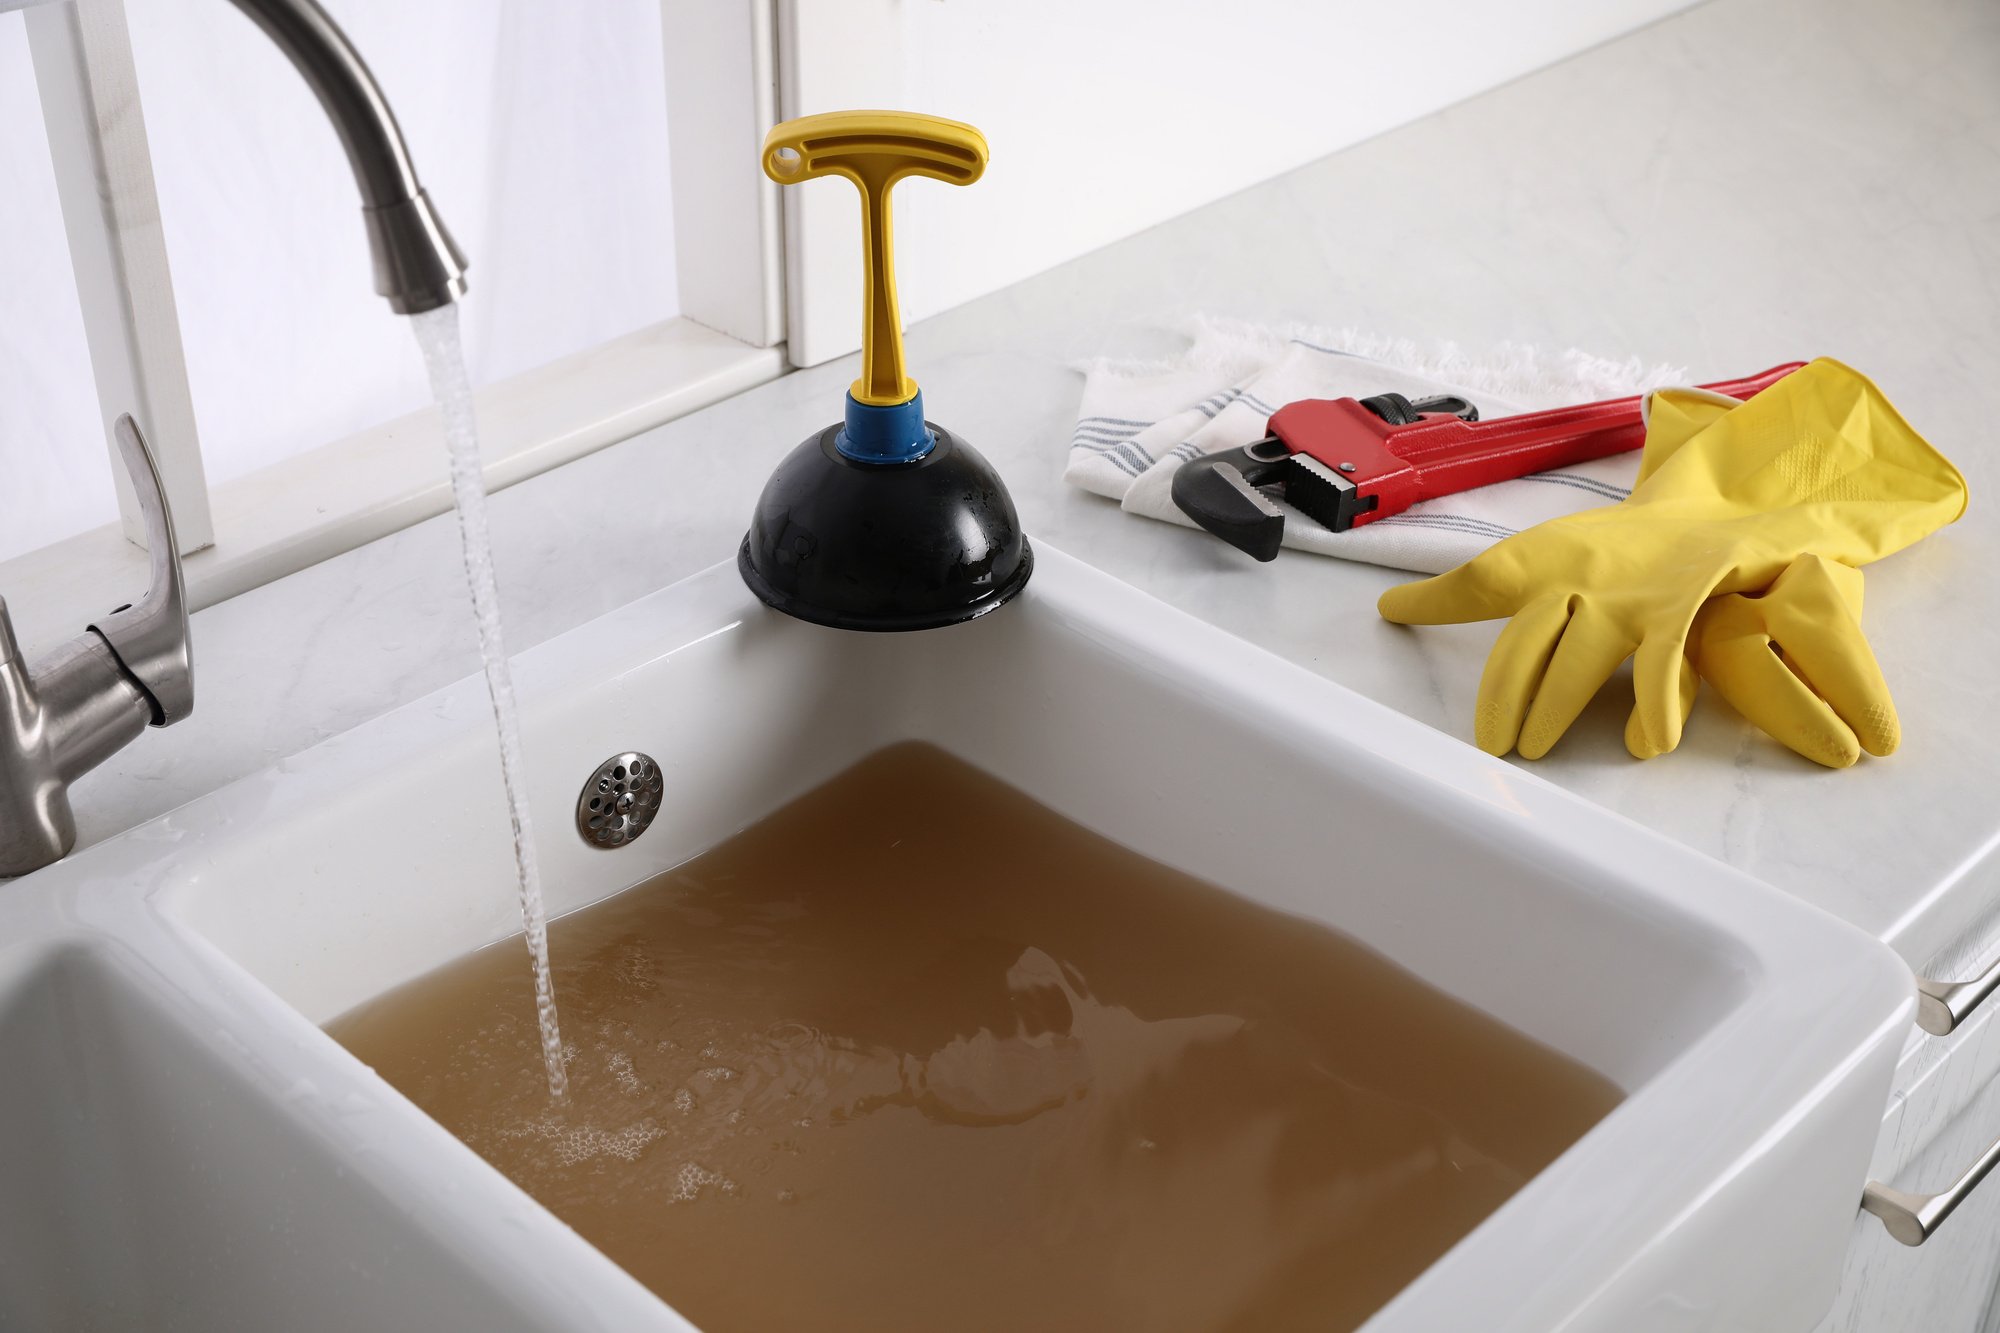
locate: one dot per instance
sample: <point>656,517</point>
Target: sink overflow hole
<point>619,800</point>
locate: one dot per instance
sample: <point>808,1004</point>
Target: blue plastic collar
<point>894,434</point>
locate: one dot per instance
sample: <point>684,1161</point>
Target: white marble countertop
<point>1749,182</point>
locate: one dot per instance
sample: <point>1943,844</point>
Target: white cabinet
<point>1944,1114</point>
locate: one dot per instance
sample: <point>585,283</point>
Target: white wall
<point>1110,116</point>
<point>540,130</point>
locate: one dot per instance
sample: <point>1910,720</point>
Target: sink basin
<point>187,1139</point>
<point>148,1183</point>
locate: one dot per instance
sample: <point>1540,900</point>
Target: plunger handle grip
<point>875,149</point>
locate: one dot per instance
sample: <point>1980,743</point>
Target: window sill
<point>345,494</point>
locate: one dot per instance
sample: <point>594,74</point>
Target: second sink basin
<point>1753,1037</point>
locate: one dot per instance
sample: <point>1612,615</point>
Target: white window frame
<point>721,99</point>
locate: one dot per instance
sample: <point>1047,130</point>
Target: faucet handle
<point>150,636</point>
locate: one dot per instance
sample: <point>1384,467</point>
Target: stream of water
<point>444,358</point>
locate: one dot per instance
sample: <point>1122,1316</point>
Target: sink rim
<point>1800,961</point>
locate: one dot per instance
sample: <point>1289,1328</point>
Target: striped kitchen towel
<point>1140,421</point>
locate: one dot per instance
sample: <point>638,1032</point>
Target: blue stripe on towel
<point>1124,453</point>
<point>1330,351</point>
<point>1452,522</point>
<point>1591,484</point>
<point>1218,401</point>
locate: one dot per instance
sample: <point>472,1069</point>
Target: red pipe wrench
<point>1345,461</point>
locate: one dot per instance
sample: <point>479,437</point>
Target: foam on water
<point>693,1178</point>
<point>572,1145</point>
<point>444,358</point>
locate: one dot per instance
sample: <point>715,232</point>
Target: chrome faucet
<point>89,698</point>
<point>132,669</point>
<point>417,267</point>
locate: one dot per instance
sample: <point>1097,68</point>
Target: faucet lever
<point>91,697</point>
<point>150,636</point>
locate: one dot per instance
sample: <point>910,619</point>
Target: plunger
<point>884,520</point>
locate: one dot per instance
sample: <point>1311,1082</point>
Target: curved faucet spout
<point>417,266</point>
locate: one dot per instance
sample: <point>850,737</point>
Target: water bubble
<point>693,1178</point>
<point>573,1145</point>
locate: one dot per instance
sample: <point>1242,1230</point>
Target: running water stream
<point>444,358</point>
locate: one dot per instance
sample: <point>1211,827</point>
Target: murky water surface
<point>916,1052</point>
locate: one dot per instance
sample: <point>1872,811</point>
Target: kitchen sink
<point>154,1174</point>
<point>180,1144</point>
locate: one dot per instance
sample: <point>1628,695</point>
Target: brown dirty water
<point>916,1052</point>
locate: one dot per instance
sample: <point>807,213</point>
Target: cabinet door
<point>1945,1285</point>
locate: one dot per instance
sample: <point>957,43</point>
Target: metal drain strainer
<point>619,800</point>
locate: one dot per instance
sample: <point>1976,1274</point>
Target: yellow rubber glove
<point>1818,464</point>
<point>1820,692</point>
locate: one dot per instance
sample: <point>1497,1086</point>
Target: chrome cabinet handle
<point>1915,1218</point>
<point>1943,1005</point>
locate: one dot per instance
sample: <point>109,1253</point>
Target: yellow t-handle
<point>875,149</point>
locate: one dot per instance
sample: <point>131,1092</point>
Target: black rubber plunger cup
<point>913,544</point>
<point>884,521</point>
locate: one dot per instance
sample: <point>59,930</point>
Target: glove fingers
<point>1759,685</point>
<point>1814,616</point>
<point>1452,598</point>
<point>1635,730</point>
<point>1591,649</point>
<point>1656,693</point>
<point>1514,672</point>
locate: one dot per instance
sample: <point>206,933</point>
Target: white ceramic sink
<point>180,1146</point>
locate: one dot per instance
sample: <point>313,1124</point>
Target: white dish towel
<point>1139,421</point>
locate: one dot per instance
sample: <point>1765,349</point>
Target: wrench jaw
<point>1219,492</point>
<point>1323,495</point>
